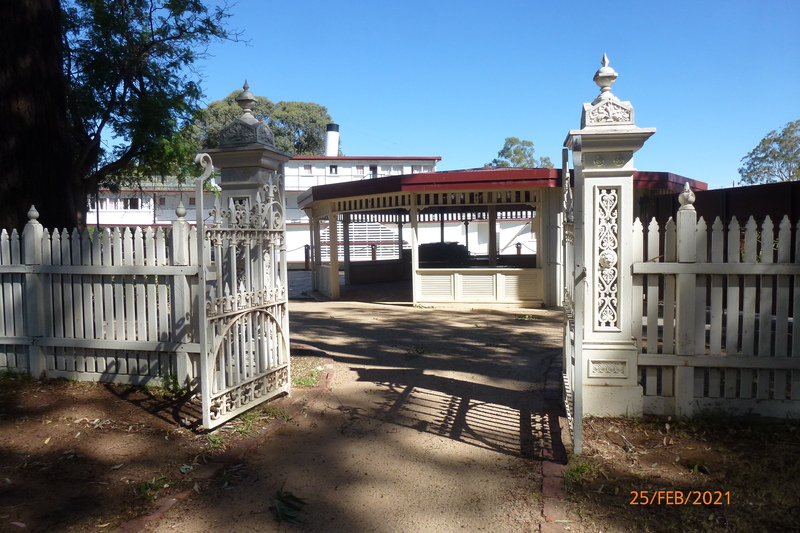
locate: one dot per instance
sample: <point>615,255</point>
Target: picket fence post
<point>181,299</point>
<point>34,306</point>
<point>686,285</point>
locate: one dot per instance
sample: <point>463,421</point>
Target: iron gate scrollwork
<point>244,334</point>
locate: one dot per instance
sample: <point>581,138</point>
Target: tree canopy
<point>125,84</point>
<point>519,153</point>
<point>128,65</point>
<point>299,127</point>
<point>776,158</point>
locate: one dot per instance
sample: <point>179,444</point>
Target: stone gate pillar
<point>247,160</point>
<point>602,153</point>
<point>246,156</point>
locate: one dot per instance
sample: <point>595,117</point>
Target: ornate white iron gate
<point>243,315</point>
<point>573,276</point>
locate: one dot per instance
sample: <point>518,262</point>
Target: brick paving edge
<point>556,517</point>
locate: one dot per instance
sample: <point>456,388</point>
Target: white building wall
<point>157,206</point>
<point>142,207</point>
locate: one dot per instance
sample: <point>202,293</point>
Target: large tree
<point>122,77</point>
<point>299,127</point>
<point>34,135</point>
<point>519,153</point>
<point>776,158</point>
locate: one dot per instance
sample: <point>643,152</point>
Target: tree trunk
<point>35,156</point>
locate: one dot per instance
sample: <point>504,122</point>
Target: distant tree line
<point>776,158</point>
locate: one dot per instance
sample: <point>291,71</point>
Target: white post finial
<point>686,198</point>
<point>33,214</point>
<point>605,78</point>
<point>180,210</point>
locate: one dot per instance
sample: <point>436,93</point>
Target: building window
<point>131,203</point>
<point>334,169</point>
<point>392,170</point>
<point>360,169</point>
<point>162,201</point>
<point>307,169</point>
<point>191,200</point>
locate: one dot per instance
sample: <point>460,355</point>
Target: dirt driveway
<point>435,421</point>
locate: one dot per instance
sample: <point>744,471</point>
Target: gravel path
<point>435,421</point>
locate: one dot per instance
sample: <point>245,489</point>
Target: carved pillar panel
<point>607,281</point>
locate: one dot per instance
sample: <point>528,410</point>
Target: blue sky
<point>454,79</point>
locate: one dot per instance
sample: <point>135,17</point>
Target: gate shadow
<point>184,411</point>
<point>510,422</point>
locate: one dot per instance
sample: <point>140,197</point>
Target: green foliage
<point>131,85</point>
<point>149,489</point>
<point>174,387</point>
<point>286,506</point>
<point>216,440</point>
<point>10,376</point>
<point>299,127</point>
<point>578,473</point>
<point>519,154</point>
<point>308,378</point>
<point>776,158</point>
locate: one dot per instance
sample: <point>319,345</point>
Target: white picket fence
<point>716,331</point>
<point>110,305</point>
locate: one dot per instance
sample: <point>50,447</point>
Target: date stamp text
<point>680,497</point>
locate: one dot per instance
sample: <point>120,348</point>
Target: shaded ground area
<point>709,473</point>
<point>88,457</point>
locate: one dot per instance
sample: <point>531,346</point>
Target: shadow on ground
<point>436,421</point>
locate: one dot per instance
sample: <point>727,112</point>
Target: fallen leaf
<point>18,524</point>
<point>47,440</point>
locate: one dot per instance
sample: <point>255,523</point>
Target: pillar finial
<point>605,78</point>
<point>246,99</point>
